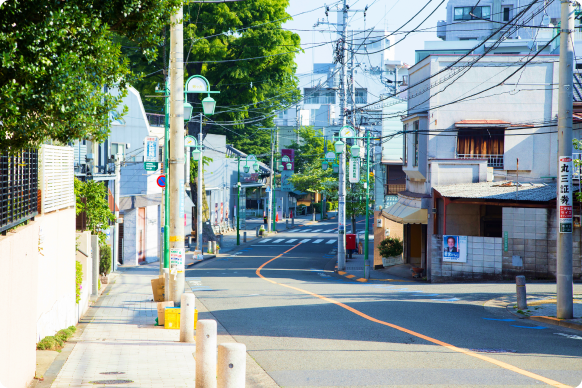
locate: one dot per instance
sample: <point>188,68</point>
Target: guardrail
<point>493,160</point>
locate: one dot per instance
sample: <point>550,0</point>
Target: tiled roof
<point>503,191</point>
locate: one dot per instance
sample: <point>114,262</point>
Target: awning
<point>406,214</point>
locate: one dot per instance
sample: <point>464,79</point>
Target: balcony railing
<point>493,160</point>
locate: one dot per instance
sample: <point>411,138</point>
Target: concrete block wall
<point>484,260</point>
<point>532,234</point>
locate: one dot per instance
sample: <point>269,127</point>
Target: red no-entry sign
<point>161,181</point>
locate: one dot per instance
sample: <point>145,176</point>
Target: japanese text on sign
<point>176,260</point>
<point>565,194</point>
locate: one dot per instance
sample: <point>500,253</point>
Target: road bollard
<point>293,221</point>
<point>209,246</point>
<point>166,284</point>
<point>206,353</point>
<point>232,364</point>
<point>189,241</point>
<point>286,224</point>
<point>245,236</point>
<point>257,231</point>
<point>220,240</point>
<point>521,293</point>
<point>187,301</point>
<point>214,247</point>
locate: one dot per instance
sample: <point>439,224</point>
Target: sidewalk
<point>117,340</point>
<point>120,336</point>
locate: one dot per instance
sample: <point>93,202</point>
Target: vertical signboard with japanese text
<point>243,208</point>
<point>565,194</point>
<point>151,149</point>
<point>354,170</point>
<point>176,260</point>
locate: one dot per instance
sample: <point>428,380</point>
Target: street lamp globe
<point>187,111</point>
<point>256,166</point>
<point>246,169</point>
<point>335,167</point>
<point>289,166</point>
<point>339,146</point>
<point>355,151</point>
<point>324,166</point>
<point>280,167</point>
<point>208,105</point>
<point>196,154</point>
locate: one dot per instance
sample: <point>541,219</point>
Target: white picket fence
<point>56,177</point>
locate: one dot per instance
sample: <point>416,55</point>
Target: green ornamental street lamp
<point>208,105</point>
<point>246,169</point>
<point>335,168</point>
<point>339,146</point>
<point>324,165</point>
<point>355,151</point>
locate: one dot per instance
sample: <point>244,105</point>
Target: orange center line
<point>418,335</point>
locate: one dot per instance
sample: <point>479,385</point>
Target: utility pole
<point>564,278</point>
<point>176,167</point>
<point>341,219</point>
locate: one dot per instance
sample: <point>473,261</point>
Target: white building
<point>468,141</point>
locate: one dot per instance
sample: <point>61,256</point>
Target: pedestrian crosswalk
<point>294,241</point>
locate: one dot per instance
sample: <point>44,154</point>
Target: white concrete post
<point>245,237</point>
<point>232,365</point>
<point>187,302</point>
<point>206,353</point>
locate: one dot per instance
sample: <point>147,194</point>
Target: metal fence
<point>493,160</point>
<point>18,188</point>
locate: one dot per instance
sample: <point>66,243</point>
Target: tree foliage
<point>310,149</point>
<point>59,58</point>
<point>219,39</point>
<point>91,197</point>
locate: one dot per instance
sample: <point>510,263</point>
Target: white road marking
<point>290,241</point>
<point>264,241</point>
<point>304,241</point>
<point>316,230</point>
<point>571,336</point>
<point>318,241</point>
<point>278,241</point>
<point>327,231</point>
<point>304,230</point>
<point>331,241</point>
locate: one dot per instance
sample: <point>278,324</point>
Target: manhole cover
<point>492,350</point>
<point>112,373</point>
<point>111,381</point>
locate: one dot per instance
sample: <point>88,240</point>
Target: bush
<point>78,281</point>
<point>104,259</point>
<point>390,247</point>
<point>57,341</point>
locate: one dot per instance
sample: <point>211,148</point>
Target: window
<point>416,127</point>
<point>404,145</point>
<point>361,96</point>
<point>506,14</point>
<point>467,38</point>
<point>464,13</point>
<point>487,143</point>
<point>319,96</point>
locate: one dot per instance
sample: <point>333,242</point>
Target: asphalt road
<point>308,327</point>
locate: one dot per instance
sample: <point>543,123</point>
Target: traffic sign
<point>150,166</point>
<point>161,181</point>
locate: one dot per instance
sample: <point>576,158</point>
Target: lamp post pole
<point>199,232</point>
<point>238,204</point>
<point>366,237</point>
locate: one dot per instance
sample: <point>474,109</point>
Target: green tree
<point>58,60</point>
<point>312,180</point>
<point>91,198</point>
<point>218,40</point>
<point>310,149</point>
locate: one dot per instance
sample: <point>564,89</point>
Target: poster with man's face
<point>455,248</point>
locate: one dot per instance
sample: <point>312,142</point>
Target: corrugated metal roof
<point>538,192</point>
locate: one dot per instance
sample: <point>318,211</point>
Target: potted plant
<point>104,262</point>
<point>391,249</point>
